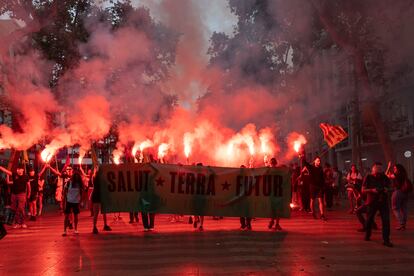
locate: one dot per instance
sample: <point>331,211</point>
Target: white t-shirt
<point>73,195</point>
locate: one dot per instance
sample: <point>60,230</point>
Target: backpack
<point>407,187</point>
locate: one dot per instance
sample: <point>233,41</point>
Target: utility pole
<point>355,121</point>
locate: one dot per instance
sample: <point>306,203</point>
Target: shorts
<point>72,207</point>
<point>316,192</point>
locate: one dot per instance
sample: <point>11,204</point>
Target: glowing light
<point>116,155</point>
<point>162,150</point>
<point>47,154</point>
<point>187,140</point>
<point>146,144</point>
<point>298,143</point>
<point>82,154</point>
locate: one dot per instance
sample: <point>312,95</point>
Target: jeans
<point>384,210</point>
<point>18,203</point>
<point>399,206</point>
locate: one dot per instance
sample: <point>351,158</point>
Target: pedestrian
<point>245,222</point>
<point>317,184</point>
<point>63,178</point>
<point>72,194</point>
<point>329,182</point>
<point>402,186</point>
<point>199,219</point>
<point>354,180</point>
<point>20,190</point>
<point>96,204</point>
<point>336,185</point>
<point>273,164</point>
<point>133,216</point>
<point>34,180</point>
<point>3,193</point>
<point>376,186</point>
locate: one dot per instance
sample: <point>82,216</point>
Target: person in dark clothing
<point>401,188</point>
<point>245,222</point>
<point>96,204</point>
<point>133,216</point>
<point>376,186</point>
<point>317,183</point>
<point>329,185</point>
<point>3,193</point>
<point>20,189</point>
<point>34,180</point>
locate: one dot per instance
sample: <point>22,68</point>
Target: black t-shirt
<point>34,184</point>
<point>96,193</point>
<point>19,184</point>
<point>381,183</point>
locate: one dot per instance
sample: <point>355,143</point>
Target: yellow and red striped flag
<point>333,134</point>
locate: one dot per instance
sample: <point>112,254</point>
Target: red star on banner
<point>226,186</point>
<point>160,181</point>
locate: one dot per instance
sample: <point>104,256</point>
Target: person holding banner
<point>96,204</point>
<point>245,222</point>
<point>273,164</point>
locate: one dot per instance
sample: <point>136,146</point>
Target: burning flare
<point>82,154</point>
<point>48,153</point>
<point>162,151</point>
<point>116,155</point>
<point>298,143</point>
<point>188,142</point>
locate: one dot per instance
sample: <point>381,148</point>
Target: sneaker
<point>388,244</point>
<point>16,226</point>
<point>278,227</point>
<point>151,229</point>
<point>64,234</point>
<point>323,218</point>
<point>76,232</point>
<point>249,227</point>
<point>107,228</point>
<point>146,229</point>
<point>95,230</point>
<point>24,226</point>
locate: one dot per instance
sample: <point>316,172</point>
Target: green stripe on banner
<point>195,190</point>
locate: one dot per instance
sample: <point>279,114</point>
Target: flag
<point>333,134</point>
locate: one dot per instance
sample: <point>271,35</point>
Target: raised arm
<point>54,171</point>
<point>43,170</point>
<point>6,171</point>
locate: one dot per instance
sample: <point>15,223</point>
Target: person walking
<point>20,190</point>
<point>376,186</point>
<point>402,186</point>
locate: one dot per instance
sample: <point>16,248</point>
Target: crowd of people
<point>314,189</point>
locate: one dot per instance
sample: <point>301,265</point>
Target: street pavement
<point>305,246</point>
